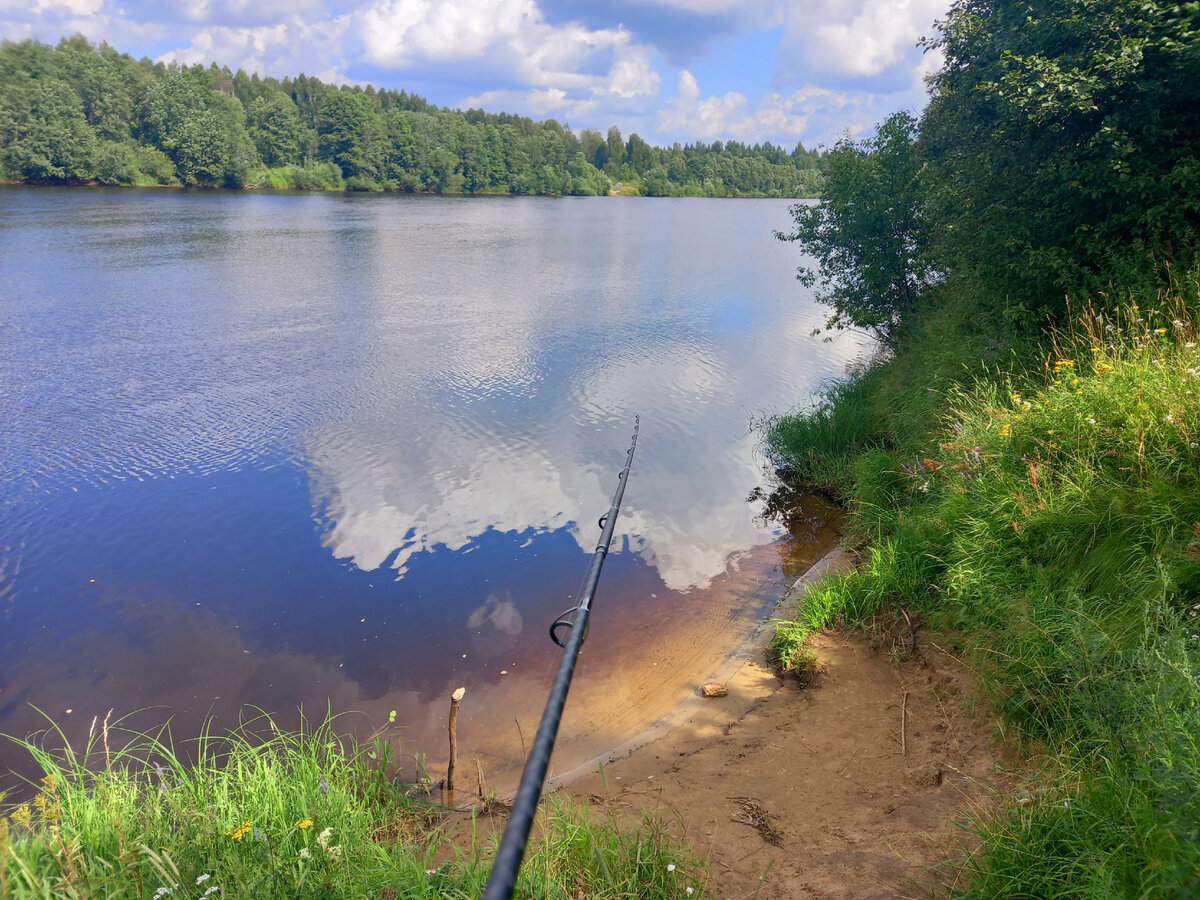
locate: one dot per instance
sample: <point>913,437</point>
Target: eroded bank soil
<point>851,788</point>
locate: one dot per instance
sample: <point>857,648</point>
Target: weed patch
<point>269,814</point>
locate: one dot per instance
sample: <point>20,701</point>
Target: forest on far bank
<point>78,113</point>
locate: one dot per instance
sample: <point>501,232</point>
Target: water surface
<point>290,450</point>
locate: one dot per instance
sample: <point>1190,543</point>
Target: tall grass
<point>265,813</point>
<point>1052,517</point>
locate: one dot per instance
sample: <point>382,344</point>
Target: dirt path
<point>847,789</point>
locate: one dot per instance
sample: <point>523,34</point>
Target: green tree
<point>615,152</point>
<point>274,125</point>
<point>1062,137</point>
<point>866,233</point>
<point>352,134</point>
<point>202,130</point>
<point>45,134</point>
<point>639,154</point>
<point>145,122</point>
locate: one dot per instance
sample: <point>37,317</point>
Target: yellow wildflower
<point>1160,331</point>
<point>1005,430</point>
<point>304,823</point>
<point>241,831</point>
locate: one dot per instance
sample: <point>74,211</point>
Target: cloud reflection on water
<point>513,415</point>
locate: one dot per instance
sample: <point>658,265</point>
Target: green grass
<point>268,814</point>
<point>1050,515</point>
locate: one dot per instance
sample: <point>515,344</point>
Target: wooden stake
<point>455,699</point>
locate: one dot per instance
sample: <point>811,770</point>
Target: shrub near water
<point>297,814</point>
<point>1055,522</point>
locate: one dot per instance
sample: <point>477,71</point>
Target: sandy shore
<point>850,788</point>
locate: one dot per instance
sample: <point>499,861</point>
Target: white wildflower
<point>305,853</point>
<point>203,878</point>
<point>690,889</point>
<point>670,867</point>
<point>324,836</point>
<point>335,852</point>
<point>211,890</point>
<point>161,892</point>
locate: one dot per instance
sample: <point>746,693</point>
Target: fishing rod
<point>503,879</point>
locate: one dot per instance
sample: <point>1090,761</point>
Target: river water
<point>282,451</point>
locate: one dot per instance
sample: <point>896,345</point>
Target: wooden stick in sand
<point>455,699</point>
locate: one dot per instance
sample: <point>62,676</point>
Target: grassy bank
<point>270,814</point>
<point>1041,501</point>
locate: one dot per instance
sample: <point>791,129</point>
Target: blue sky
<point>669,70</point>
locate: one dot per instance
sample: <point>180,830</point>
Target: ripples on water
<point>285,449</point>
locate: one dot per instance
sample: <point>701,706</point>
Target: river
<point>323,451</point>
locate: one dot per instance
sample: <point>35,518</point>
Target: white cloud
<point>550,102</point>
<point>565,64</point>
<point>396,32</point>
<point>860,39</point>
<point>777,117</point>
<point>68,7</point>
<point>763,9</point>
<point>633,76</point>
<point>284,48</point>
<point>708,118</point>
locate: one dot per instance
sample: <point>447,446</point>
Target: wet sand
<point>638,670</point>
<point>855,786</point>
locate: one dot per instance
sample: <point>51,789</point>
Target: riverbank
<point>1042,500</point>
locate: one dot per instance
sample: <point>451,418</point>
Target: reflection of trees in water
<point>811,519</point>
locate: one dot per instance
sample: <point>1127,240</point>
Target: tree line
<point>1059,157</point>
<point>77,113</point>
